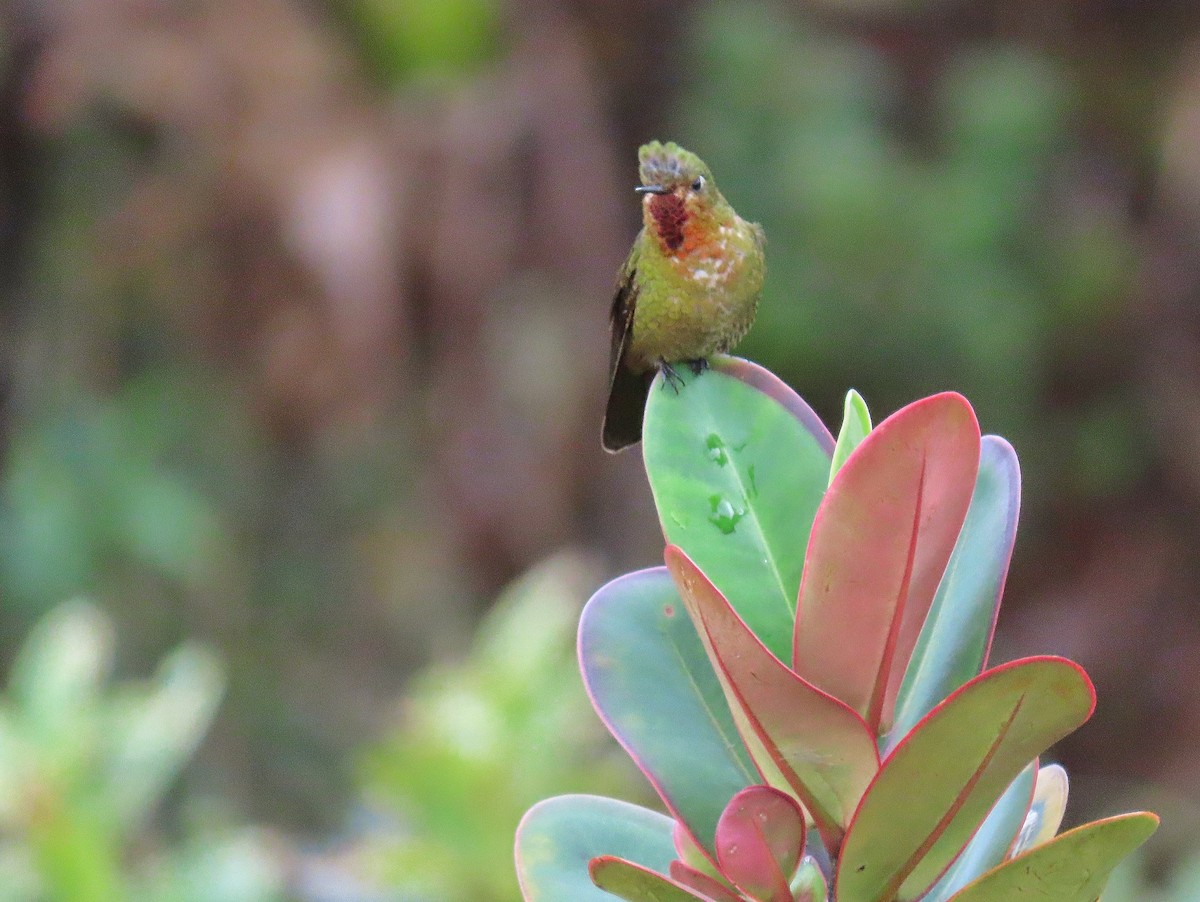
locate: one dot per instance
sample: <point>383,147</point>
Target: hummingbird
<point>688,290</point>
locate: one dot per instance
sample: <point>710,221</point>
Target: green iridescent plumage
<point>689,288</point>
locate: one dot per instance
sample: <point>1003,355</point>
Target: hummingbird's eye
<point>698,185</point>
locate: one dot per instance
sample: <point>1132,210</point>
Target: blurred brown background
<point>303,315</point>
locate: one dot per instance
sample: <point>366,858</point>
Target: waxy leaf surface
<point>937,786</point>
<point>953,645</point>
<point>1047,809</point>
<point>738,463</point>
<point>809,883</point>
<point>1072,867</point>
<point>557,839</point>
<point>650,681</point>
<point>635,883</point>
<point>802,740</point>
<point>760,839</point>
<point>992,841</point>
<point>880,543</point>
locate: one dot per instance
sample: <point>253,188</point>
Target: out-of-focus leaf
<point>856,425</point>
<point>1073,867</point>
<point>509,722</point>
<point>802,740</point>
<point>880,544</point>
<point>738,464</point>
<point>77,856</point>
<point>636,883</point>
<point>441,38</point>
<point>991,843</point>
<point>937,786</point>
<point>557,839</point>
<point>651,682</point>
<point>760,839</point>
<point>153,736</point>
<point>225,865</point>
<point>60,668</point>
<point>953,645</point>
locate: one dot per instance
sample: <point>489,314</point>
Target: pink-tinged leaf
<point>760,838</point>
<point>879,545</point>
<point>690,851</point>
<point>635,883</point>
<point>801,739</point>
<point>702,883</point>
<point>936,788</point>
<point>694,859</point>
<point>957,634</point>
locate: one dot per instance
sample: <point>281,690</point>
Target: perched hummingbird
<point>688,290</point>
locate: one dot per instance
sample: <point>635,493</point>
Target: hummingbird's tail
<point>626,406</point>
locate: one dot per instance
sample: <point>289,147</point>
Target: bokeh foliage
<point>304,304</point>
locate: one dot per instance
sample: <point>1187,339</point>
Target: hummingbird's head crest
<point>678,189</point>
<point>668,166</point>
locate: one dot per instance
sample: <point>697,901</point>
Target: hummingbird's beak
<point>652,189</point>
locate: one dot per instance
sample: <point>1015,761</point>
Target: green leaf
<point>154,735</point>
<point>558,838</point>
<point>957,634</point>
<point>651,683</point>
<point>939,783</point>
<point>1072,867</point>
<point>809,883</point>
<point>856,425</point>
<point>880,544</point>
<point>991,843</point>
<point>801,739</point>
<point>738,463</point>
<point>636,883</point>
<point>60,669</point>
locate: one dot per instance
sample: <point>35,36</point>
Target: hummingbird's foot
<point>699,365</point>
<point>670,376</point>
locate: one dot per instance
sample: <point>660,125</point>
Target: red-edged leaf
<point>760,838</point>
<point>937,786</point>
<point>644,666</point>
<point>1072,867</point>
<point>635,883</point>
<point>801,739</point>
<point>702,883</point>
<point>879,545</point>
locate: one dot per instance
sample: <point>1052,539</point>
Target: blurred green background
<point>302,361</point>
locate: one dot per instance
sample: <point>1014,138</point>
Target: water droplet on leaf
<point>716,450</point>
<point>724,515</point>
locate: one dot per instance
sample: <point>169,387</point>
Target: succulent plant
<point>805,683</point>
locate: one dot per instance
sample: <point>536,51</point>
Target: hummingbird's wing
<point>621,318</point>
<point>627,390</point>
